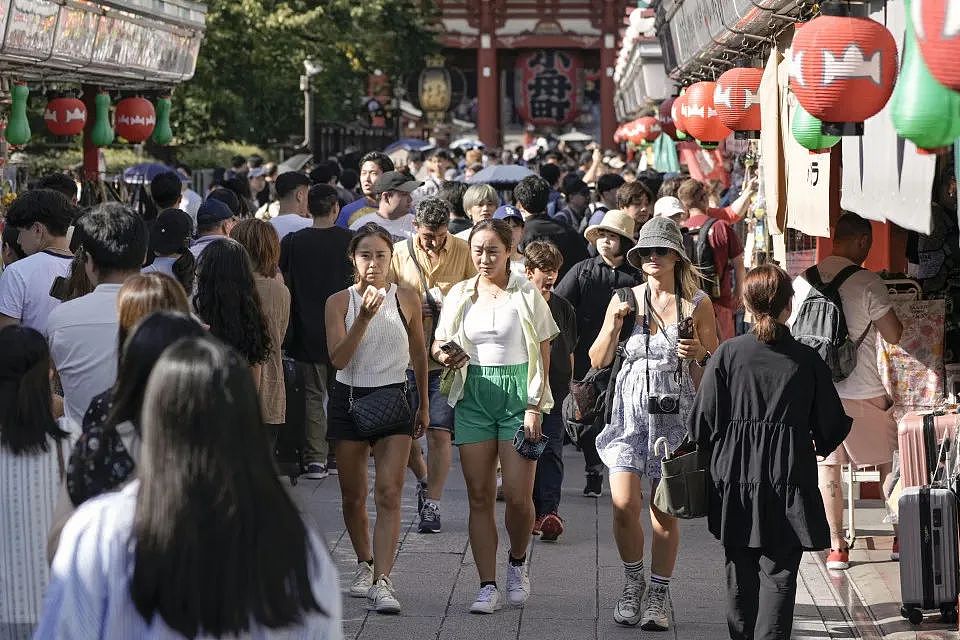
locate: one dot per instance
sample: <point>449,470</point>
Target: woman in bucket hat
<point>588,287</point>
<point>663,359</point>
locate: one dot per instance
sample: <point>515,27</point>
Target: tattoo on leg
<point>832,486</point>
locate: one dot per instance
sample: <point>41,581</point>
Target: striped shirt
<point>29,486</point>
<point>89,594</point>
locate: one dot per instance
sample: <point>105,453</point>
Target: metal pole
<point>307,112</point>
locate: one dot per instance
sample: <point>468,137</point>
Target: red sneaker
<point>551,527</point>
<point>838,559</point>
<point>895,550</point>
<point>537,528</point>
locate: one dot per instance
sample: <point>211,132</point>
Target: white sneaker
<point>518,584</point>
<point>488,600</point>
<point>362,580</point>
<point>657,615</point>
<point>627,611</point>
<point>382,597</point>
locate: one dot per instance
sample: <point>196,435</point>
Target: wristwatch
<point>703,361</point>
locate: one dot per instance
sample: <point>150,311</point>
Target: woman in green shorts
<point>502,328</point>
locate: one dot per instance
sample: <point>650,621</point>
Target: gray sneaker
<point>430,518</point>
<point>657,615</point>
<point>627,611</point>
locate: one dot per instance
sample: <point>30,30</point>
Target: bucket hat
<point>615,221</point>
<point>658,232</point>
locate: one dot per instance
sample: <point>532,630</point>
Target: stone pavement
<point>576,581</point>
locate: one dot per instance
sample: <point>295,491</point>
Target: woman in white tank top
<point>373,330</point>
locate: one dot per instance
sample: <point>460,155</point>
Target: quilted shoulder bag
<point>384,410</point>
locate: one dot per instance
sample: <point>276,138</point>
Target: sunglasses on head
<point>659,251</point>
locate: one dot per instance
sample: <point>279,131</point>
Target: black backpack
<point>697,244</point>
<point>821,324</point>
<point>587,408</point>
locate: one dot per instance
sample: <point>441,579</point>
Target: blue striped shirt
<point>89,592</point>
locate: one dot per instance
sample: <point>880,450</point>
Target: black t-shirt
<point>572,245</point>
<point>315,265</point>
<point>562,346</point>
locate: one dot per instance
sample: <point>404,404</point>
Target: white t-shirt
<point>161,264</point>
<point>25,288</point>
<point>494,334</point>
<point>190,202</point>
<point>82,334</point>
<point>289,222</point>
<point>865,299</point>
<point>401,228</point>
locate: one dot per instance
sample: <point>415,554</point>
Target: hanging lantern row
<point>136,119</point>
<point>736,99</point>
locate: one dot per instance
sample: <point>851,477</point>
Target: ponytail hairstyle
<point>185,271</point>
<point>767,292</point>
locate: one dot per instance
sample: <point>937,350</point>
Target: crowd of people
<point>143,356</point>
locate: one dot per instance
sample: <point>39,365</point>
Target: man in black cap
<point>578,199</point>
<point>214,222</point>
<point>393,192</point>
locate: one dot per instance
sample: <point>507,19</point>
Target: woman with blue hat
<point>674,332</point>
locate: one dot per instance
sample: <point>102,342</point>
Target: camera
<point>663,404</point>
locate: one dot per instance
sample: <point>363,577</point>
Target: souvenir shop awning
<point>700,37</point>
<point>124,45</point>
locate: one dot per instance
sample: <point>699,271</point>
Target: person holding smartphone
<point>494,336</point>
<point>674,334</point>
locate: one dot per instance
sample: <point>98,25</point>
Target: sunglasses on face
<point>657,251</point>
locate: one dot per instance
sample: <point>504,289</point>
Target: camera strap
<point>648,305</point>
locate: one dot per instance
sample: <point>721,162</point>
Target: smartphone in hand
<point>685,329</point>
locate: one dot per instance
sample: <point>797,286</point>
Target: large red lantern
<point>666,118</point>
<point>677,112</point>
<point>843,70</point>
<point>736,101</point>
<point>700,115</point>
<point>936,24</point>
<point>65,116</point>
<point>134,119</point>
<point>645,130</point>
<point>547,82</point>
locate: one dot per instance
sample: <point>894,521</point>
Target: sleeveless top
<point>382,356</point>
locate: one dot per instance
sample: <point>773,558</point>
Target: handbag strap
<point>406,327</point>
<point>678,374</point>
<point>434,309</point>
<point>61,467</point>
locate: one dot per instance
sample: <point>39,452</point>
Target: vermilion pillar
<point>608,60</point>
<point>488,85</point>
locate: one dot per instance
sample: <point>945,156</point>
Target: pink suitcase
<point>919,436</point>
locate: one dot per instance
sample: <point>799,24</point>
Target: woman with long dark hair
<point>170,240</point>
<point>227,301</point>
<point>501,326</point>
<point>674,333</point>
<point>31,464</point>
<point>374,329</point>
<point>105,455</point>
<point>206,541</point>
<point>765,410</point>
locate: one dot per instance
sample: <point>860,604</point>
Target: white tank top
<point>383,353</point>
<point>494,335</point>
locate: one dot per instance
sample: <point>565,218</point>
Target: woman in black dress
<point>765,409</point>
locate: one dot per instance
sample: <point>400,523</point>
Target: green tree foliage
<point>246,85</point>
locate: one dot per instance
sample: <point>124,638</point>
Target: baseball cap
<point>667,207</point>
<point>506,211</point>
<point>576,185</point>
<point>212,211</point>
<point>171,231</point>
<point>609,181</point>
<point>395,181</point>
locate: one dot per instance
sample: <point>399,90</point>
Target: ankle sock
<point>659,580</point>
<point>517,562</point>
<point>633,570</point>
<point>369,562</point>
<point>488,582</point>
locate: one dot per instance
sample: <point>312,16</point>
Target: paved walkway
<point>576,581</point>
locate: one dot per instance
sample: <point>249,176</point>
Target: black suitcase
<point>292,436</point>
<point>928,553</point>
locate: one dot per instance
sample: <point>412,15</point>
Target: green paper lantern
<point>681,135</point>
<point>709,146</point>
<point>808,131</point>
<point>102,133</point>
<point>923,111</point>
<point>162,133</point>
<point>18,127</point>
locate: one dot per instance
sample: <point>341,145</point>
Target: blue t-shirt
<point>353,211</point>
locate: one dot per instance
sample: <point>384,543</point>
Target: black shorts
<point>339,421</point>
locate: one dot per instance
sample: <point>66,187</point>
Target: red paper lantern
<point>843,70</point>
<point>700,118</point>
<point>135,119</point>
<point>65,116</point>
<point>736,100</point>
<point>667,124</point>
<point>645,130</point>
<point>678,111</point>
<point>547,82</point>
<point>935,23</point>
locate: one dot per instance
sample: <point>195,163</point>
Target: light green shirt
<point>538,325</point>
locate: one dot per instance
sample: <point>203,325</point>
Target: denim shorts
<point>493,403</point>
<point>441,413</point>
